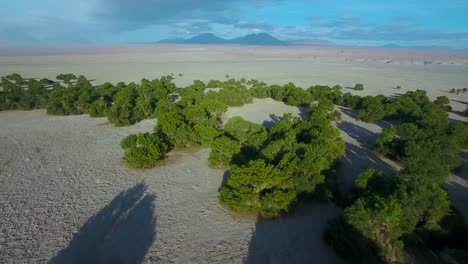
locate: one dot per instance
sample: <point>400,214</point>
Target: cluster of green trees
<point>272,169</point>
<point>21,94</point>
<point>123,104</point>
<point>383,214</point>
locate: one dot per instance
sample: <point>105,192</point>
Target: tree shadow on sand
<point>297,238</point>
<point>122,232</point>
<point>362,135</point>
<point>356,160</point>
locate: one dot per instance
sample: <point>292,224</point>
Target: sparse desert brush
<point>144,150</point>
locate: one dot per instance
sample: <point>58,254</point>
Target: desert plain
<point>66,195</point>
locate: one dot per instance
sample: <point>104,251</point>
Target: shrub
<point>121,113</point>
<point>378,220</point>
<point>359,87</point>
<point>443,102</point>
<point>144,150</point>
<point>372,109</point>
<point>247,133</point>
<point>252,188</point>
<point>222,150</point>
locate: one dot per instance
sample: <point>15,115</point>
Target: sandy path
<point>64,190</point>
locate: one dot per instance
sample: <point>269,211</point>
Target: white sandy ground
<point>64,188</point>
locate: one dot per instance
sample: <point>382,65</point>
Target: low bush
<point>144,150</point>
<point>359,87</point>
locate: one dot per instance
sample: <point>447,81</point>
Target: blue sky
<point>356,22</point>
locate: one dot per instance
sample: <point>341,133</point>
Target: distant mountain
<point>208,38</point>
<point>311,42</point>
<point>395,46</point>
<point>258,39</point>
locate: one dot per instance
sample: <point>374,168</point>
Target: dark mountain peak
<point>258,39</point>
<point>209,38</point>
<point>205,38</point>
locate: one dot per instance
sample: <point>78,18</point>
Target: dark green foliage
<point>66,77</point>
<point>121,113</point>
<point>166,106</point>
<point>214,108</point>
<point>378,220</point>
<point>204,133</point>
<point>320,92</point>
<point>359,87</point>
<point>176,128</point>
<point>290,162</point>
<point>443,102</point>
<point>258,187</point>
<point>349,100</point>
<point>144,150</point>
<point>129,142</point>
<point>233,93</point>
<point>372,180</point>
<point>289,93</point>
<point>222,150</point>
<point>371,109</point>
<point>247,133</point>
<point>349,242</point>
<point>15,77</point>
<point>20,94</point>
<point>424,203</point>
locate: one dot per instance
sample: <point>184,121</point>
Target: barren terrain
<point>66,196</point>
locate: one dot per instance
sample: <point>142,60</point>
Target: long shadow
<point>462,171</point>
<point>122,232</point>
<point>226,176</point>
<point>349,112</point>
<point>274,119</point>
<point>458,101</point>
<point>304,112</point>
<point>362,135</point>
<point>297,238</point>
<point>356,160</point>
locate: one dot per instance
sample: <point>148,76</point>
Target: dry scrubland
<point>64,187</point>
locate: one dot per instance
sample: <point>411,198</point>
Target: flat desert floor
<point>67,197</point>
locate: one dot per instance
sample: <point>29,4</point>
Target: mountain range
<point>261,39</point>
<point>264,39</point>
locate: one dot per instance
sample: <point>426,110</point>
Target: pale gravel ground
<point>57,173</point>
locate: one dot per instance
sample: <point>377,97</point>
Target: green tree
<point>359,87</point>
<point>247,133</point>
<point>144,150</point>
<point>121,113</point>
<point>256,187</point>
<point>222,150</point>
<point>379,219</point>
<point>372,109</point>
